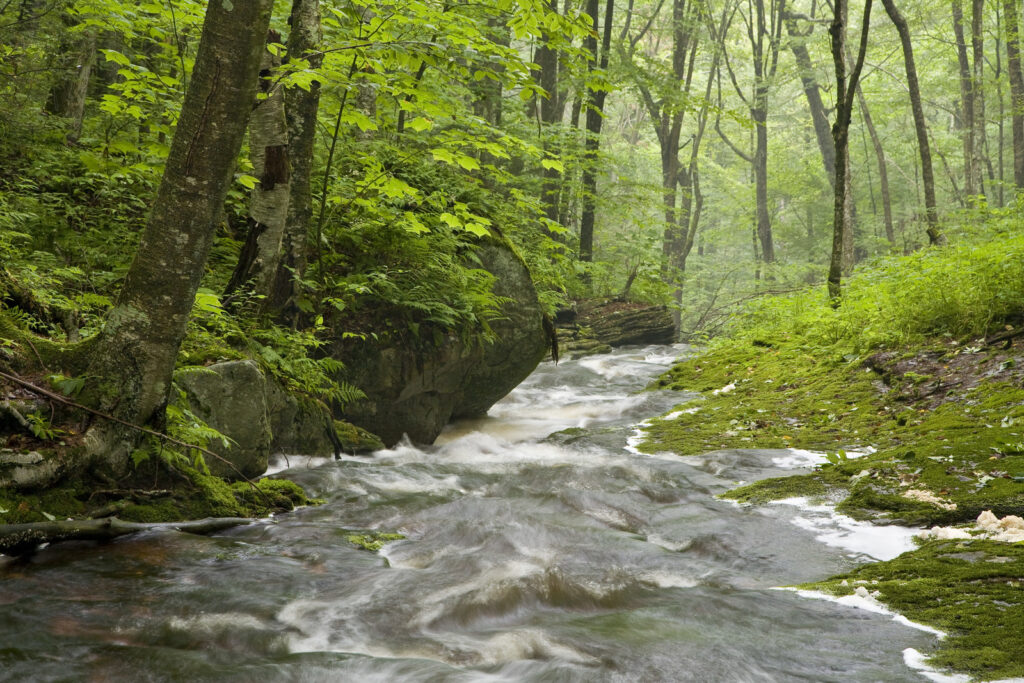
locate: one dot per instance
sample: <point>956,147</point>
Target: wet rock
<point>262,418</point>
<point>301,427</point>
<point>26,471</point>
<point>416,386</point>
<point>231,397</point>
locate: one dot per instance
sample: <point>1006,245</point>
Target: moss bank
<point>194,497</point>
<point>971,590</point>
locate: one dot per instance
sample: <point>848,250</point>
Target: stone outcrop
<point>237,399</point>
<point>416,387</point>
<point>621,324</point>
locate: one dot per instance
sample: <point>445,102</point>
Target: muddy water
<point>538,548</point>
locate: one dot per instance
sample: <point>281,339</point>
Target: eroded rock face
<point>417,387</point>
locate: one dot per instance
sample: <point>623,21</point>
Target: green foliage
<point>968,289</point>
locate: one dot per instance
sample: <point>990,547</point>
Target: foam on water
<point>864,600</point>
<point>841,531</point>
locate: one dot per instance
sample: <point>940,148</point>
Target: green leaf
<point>420,124</point>
<point>553,164</point>
<point>116,57</point>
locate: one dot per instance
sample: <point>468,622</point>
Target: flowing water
<point>538,547</point>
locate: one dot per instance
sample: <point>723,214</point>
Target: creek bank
<point>947,420</point>
<point>598,326</point>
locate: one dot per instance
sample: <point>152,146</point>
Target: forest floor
<point>942,425</point>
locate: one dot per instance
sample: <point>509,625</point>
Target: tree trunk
<point>1011,17</point>
<point>920,125</point>
<point>77,57</point>
<point>545,109</point>
<point>812,92</point>
<point>268,205</point>
<point>765,63</point>
<point>135,353</point>
<point>883,171</point>
<point>966,98</point>
<point>841,135</point>
<point>301,108</point>
<point>978,155</point>
<point>595,117</point>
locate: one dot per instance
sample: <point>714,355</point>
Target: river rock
<point>231,397</point>
<point>416,386</point>
<point>238,400</point>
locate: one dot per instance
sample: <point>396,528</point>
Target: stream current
<point>538,547</point>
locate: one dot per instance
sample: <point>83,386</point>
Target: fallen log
<point>17,539</point>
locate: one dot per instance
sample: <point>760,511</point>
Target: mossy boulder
<point>232,398</point>
<point>253,410</point>
<point>415,386</point>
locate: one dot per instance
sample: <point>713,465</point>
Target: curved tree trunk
<point>135,353</point>
<point>920,125</point>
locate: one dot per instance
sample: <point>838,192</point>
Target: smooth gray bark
<point>135,353</point>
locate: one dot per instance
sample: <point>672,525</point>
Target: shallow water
<point>532,554</point>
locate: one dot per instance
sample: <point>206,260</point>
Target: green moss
<point>968,452</point>
<point>371,540</point>
<point>56,503</point>
<point>356,439</point>
<point>776,397</point>
<point>972,590</point>
<point>778,488</point>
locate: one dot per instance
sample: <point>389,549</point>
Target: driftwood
<point>17,539</point>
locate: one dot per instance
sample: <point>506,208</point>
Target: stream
<point>539,547</point>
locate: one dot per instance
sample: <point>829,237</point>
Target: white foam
<point>663,579</point>
<point>915,660</point>
<point>798,457</point>
<point>840,531</point>
<point>862,599</point>
<point>637,438</point>
<point>282,462</point>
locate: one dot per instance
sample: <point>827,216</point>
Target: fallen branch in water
<point>17,539</point>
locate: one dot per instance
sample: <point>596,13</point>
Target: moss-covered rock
<point>231,397</point>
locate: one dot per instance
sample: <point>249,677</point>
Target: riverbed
<point>538,546</point>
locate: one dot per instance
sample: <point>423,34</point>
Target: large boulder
<point>238,400</point>
<point>416,387</point>
<point>231,397</point>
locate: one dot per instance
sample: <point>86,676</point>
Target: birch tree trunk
<point>301,108</point>
<point>268,205</point>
